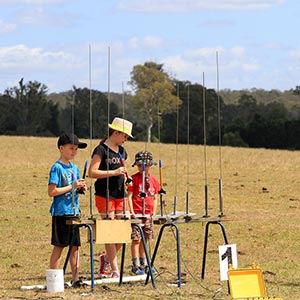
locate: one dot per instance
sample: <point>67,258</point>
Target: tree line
<point>174,108</point>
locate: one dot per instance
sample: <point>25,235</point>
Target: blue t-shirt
<point>62,175</point>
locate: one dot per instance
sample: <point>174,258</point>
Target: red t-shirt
<point>151,189</point>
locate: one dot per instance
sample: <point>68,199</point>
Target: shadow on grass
<point>37,278</point>
<point>290,284</point>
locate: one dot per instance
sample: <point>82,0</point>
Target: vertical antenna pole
<point>123,101</point>
<point>220,140</point>
<point>162,191</point>
<point>73,113</point>
<point>73,194</point>
<point>73,132</point>
<point>176,154</point>
<point>204,145</point>
<point>108,117</point>
<point>91,124</point>
<point>122,160</point>
<point>188,152</point>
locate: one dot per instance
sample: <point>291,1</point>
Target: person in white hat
<point>121,125</point>
<point>108,168</point>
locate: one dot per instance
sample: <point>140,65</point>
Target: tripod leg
<point>147,257</point>
<point>206,240</point>
<point>122,264</point>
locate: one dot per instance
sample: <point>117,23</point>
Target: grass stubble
<point>261,216</point>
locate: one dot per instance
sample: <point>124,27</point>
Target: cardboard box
<point>111,231</point>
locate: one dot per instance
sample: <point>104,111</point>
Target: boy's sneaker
<point>104,266</point>
<point>67,285</point>
<point>137,270</point>
<point>78,284</point>
<point>146,268</point>
<point>115,274</point>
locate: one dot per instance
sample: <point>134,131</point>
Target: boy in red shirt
<point>142,203</point>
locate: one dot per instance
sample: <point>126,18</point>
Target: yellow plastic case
<point>247,284</point>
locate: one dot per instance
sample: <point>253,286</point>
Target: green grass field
<point>261,208</point>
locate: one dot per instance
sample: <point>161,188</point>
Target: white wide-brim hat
<point>121,125</point>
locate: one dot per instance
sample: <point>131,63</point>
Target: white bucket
<point>55,280</point>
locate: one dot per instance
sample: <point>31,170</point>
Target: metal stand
<point>206,240</point>
<point>122,264</point>
<point>147,258</point>
<point>178,250</point>
<point>91,252</point>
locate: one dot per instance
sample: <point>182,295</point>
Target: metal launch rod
<point>204,145</point>
<point>91,125</point>
<point>188,153</point>
<point>108,118</point>
<point>220,140</point>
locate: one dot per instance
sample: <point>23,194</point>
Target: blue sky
<point>257,42</point>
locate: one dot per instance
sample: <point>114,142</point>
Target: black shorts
<point>62,233</point>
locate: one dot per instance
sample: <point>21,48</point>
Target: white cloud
<point>250,67</point>
<point>273,46</point>
<point>133,42</point>
<point>152,42</point>
<point>146,42</point>
<point>22,57</point>
<point>58,70</point>
<point>61,69</point>
<point>217,23</point>
<point>237,51</point>
<point>236,64</point>
<point>6,27</point>
<point>204,52</point>
<point>41,16</point>
<point>185,6</point>
<point>31,2</point>
<point>295,55</point>
<point>233,62</point>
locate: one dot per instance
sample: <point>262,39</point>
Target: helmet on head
<point>144,157</point>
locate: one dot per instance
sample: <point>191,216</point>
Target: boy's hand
<point>128,182</point>
<point>80,186</point>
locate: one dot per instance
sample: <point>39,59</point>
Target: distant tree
<point>29,107</point>
<point>292,130</point>
<point>247,107</point>
<point>52,123</point>
<point>191,109</point>
<point>8,120</point>
<point>100,113</point>
<point>233,139</point>
<point>81,98</point>
<point>297,90</point>
<point>274,111</point>
<point>236,118</point>
<point>212,117</point>
<point>154,93</point>
<point>76,114</point>
<point>267,127</point>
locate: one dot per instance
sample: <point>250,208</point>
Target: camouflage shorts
<point>147,227</point>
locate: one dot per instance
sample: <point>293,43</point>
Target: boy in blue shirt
<point>64,185</point>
